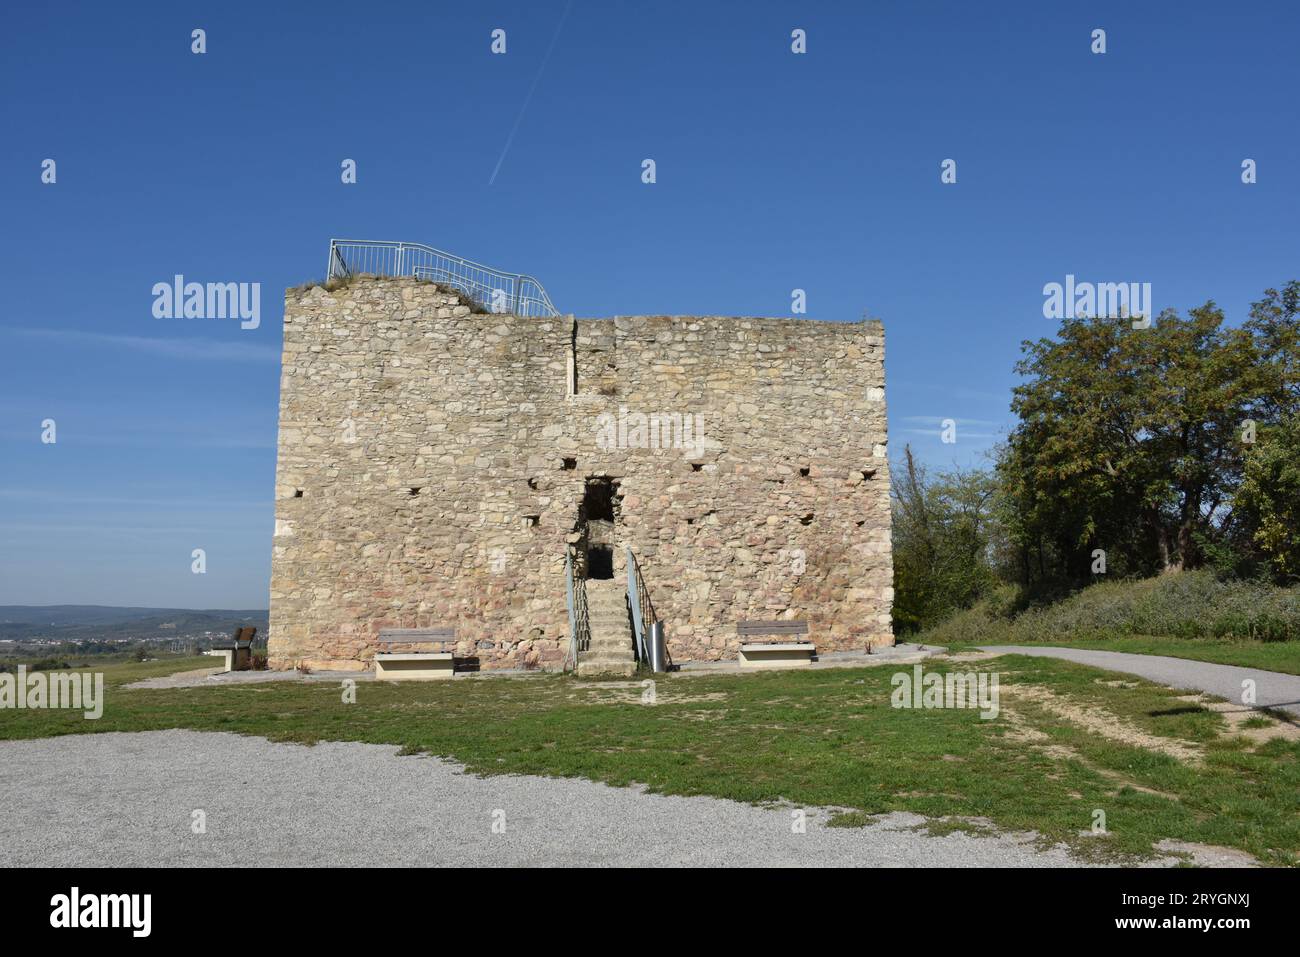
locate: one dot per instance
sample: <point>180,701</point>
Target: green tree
<point>1128,441</point>
<point>1274,324</point>
<point>1268,502</point>
<point>942,529</point>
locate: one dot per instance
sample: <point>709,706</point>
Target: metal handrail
<point>638,599</point>
<point>491,289</point>
<point>579,620</point>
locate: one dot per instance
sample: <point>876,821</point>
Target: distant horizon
<point>91,604</point>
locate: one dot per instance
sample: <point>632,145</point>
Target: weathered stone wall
<point>432,463</point>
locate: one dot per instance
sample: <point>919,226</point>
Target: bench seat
<point>415,666</point>
<point>785,654</point>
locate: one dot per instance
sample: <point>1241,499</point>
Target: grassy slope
<point>1191,615</point>
<point>825,737</point>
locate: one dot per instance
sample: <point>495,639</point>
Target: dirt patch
<point>1104,724</point>
<point>716,715</point>
<point>1021,731</point>
<point>1207,855</point>
<point>630,692</point>
<point>927,794</point>
<point>181,679</point>
<point>1255,725</point>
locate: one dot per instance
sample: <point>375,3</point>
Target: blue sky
<point>775,171</point>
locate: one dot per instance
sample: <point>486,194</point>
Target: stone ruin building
<point>444,465</point>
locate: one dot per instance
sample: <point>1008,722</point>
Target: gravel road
<point>127,799</point>
<point>1272,689</point>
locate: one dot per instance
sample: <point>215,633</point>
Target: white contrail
<point>528,99</point>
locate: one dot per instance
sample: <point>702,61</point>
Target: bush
<point>50,664</point>
<point>1184,605</point>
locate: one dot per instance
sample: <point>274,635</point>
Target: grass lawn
<point>1069,740</point>
<point>1283,656</point>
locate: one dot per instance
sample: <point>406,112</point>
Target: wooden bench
<point>238,654</point>
<point>775,644</point>
<point>414,665</point>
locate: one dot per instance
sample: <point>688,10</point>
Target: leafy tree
<point>1274,324</point>
<point>1268,501</point>
<point>1128,441</point>
<point>942,532</point>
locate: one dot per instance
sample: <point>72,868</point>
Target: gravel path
<point>127,800</point>
<point>1272,689</point>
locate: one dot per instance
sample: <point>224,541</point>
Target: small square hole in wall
<point>532,483</point>
<point>696,466</point>
<point>297,493</point>
<point>415,489</point>
<point>569,464</point>
<point>803,472</point>
<point>806,519</point>
<point>531,521</point>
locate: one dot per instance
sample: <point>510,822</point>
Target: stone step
<point>611,660</point>
<point>611,643</point>
<point>625,670</point>
<point>609,651</point>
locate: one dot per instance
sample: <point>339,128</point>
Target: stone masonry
<point>436,463</point>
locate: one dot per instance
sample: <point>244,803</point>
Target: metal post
<point>573,619</point>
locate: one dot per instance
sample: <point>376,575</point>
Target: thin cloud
<point>190,348</point>
<point>962,433</point>
<point>938,420</point>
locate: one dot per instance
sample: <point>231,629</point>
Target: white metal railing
<point>491,289</point>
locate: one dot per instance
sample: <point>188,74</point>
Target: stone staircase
<point>611,630</point>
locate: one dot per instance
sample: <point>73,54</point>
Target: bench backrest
<point>754,629</point>
<point>410,636</point>
<point>244,637</point>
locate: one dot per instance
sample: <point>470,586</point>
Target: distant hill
<point>108,622</point>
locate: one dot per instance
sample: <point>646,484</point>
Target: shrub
<point>1194,604</point>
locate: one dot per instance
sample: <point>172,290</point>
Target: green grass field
<point>1070,740</point>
